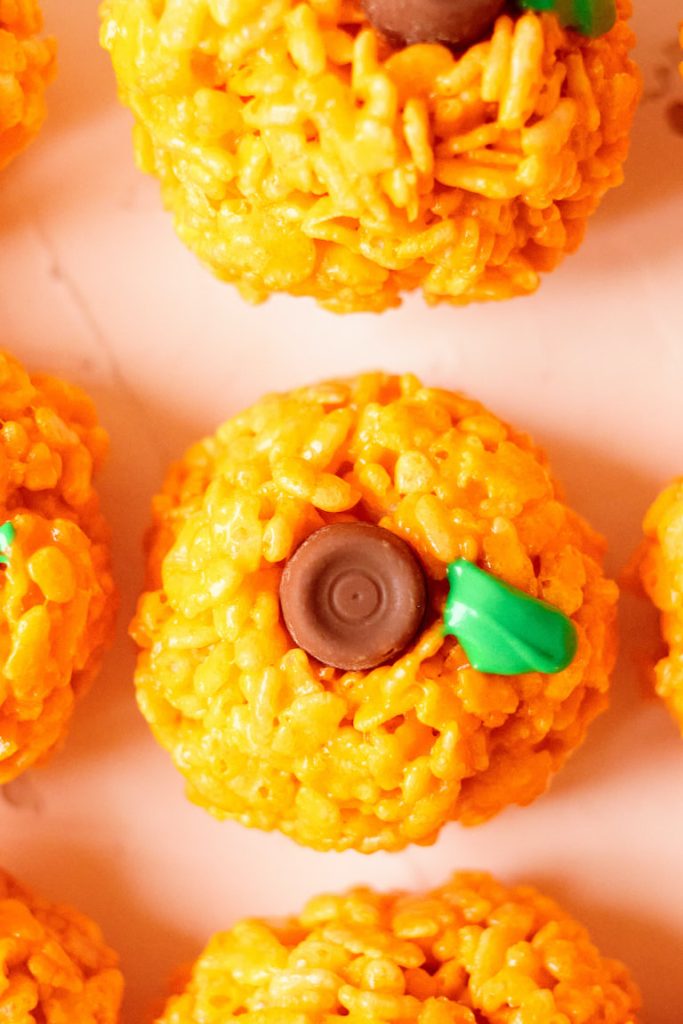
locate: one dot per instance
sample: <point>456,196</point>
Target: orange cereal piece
<point>661,570</point>
<point>27,65</point>
<point>54,964</point>
<point>380,758</point>
<point>471,952</point>
<point>57,599</point>
<point>299,152</point>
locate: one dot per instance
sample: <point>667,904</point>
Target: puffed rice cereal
<point>54,964</point>
<point>57,599</point>
<point>299,152</point>
<point>27,65</point>
<point>471,952</point>
<point>365,759</point>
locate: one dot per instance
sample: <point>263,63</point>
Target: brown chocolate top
<point>353,595</point>
<point>456,23</point>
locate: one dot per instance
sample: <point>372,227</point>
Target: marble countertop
<point>95,286</point>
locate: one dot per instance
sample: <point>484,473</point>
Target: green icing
<point>7,535</point>
<point>590,17</point>
<point>502,630</point>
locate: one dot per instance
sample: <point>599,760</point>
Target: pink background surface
<point>94,285</point>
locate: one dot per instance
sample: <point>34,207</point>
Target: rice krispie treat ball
<point>306,148</point>
<point>54,964</point>
<point>471,952</point>
<point>295,659</point>
<point>27,64</point>
<point>661,572</point>
<point>57,598</point>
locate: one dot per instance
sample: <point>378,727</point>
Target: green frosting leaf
<point>7,535</point>
<point>502,630</point>
<point>590,17</point>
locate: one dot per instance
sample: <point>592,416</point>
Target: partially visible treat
<point>57,599</point>
<point>27,64</point>
<point>661,572</point>
<point>309,148</point>
<point>471,952</point>
<point>54,963</point>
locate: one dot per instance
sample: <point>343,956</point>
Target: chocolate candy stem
<point>353,595</point>
<point>7,538</point>
<point>455,23</point>
<point>503,630</point>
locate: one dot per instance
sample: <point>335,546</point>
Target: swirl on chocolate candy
<point>353,595</point>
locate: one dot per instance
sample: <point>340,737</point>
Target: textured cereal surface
<point>54,965</point>
<point>27,64</point>
<point>56,595</point>
<point>375,759</point>
<point>472,952</point>
<point>300,154</point>
<point>661,570</point>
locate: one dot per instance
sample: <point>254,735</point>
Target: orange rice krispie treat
<point>315,687</point>
<point>57,599</point>
<point>661,571</point>
<point>54,964</point>
<point>27,64</point>
<point>302,151</point>
<point>471,952</point>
